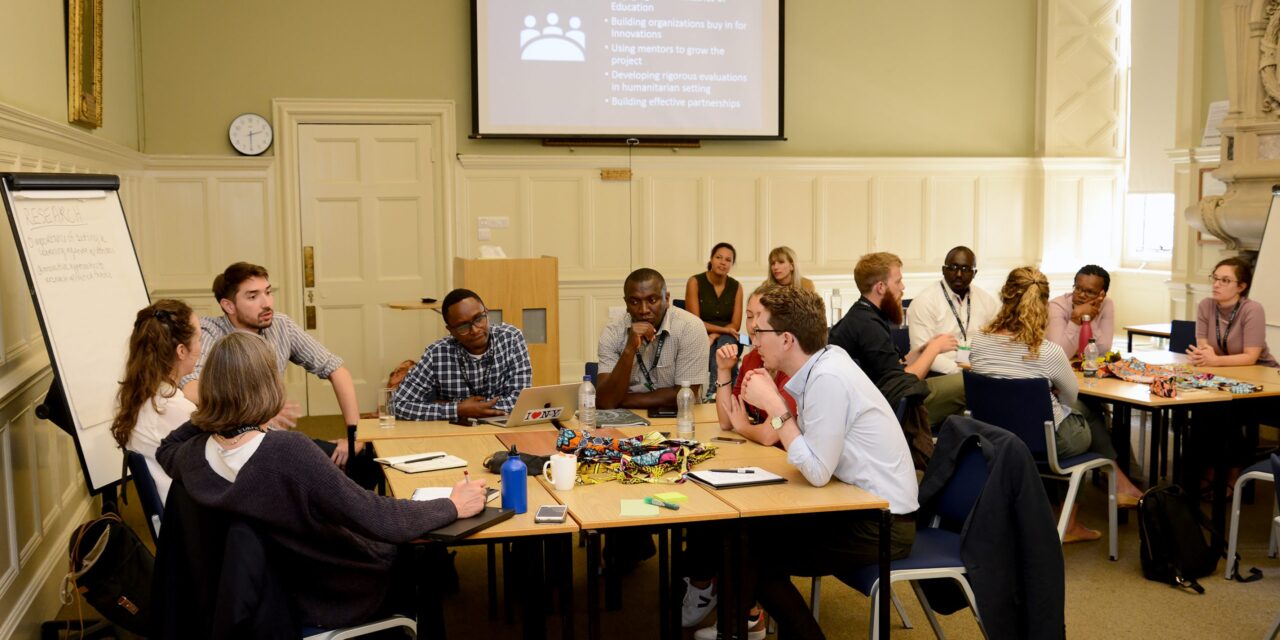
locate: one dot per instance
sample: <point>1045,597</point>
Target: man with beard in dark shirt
<point>864,334</point>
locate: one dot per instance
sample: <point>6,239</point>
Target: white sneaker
<point>697,604</point>
<point>710,633</point>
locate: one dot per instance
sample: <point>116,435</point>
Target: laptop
<point>540,404</point>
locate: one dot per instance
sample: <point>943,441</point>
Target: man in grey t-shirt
<point>646,354</point>
<point>243,292</point>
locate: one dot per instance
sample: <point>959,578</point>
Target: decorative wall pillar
<point>1250,150</point>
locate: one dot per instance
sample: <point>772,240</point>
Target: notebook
<point>467,526</point>
<point>420,462</point>
<point>723,480</point>
<point>619,418</point>
<point>433,493</point>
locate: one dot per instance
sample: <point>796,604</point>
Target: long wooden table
<point>1156,330</point>
<point>369,431</point>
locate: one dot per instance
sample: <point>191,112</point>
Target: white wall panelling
<point>831,211</point>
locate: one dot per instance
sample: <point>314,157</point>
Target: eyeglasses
<point>481,320</point>
<point>1092,293</point>
<point>959,268</point>
<point>1225,281</point>
<point>777,331</point>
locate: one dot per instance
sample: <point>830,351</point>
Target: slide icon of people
<point>552,43</point>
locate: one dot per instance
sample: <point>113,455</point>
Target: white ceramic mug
<point>561,470</point>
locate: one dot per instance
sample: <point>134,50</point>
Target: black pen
<point>733,470</point>
<point>435,457</point>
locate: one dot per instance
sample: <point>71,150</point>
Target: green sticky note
<point>638,508</point>
<point>673,497</point>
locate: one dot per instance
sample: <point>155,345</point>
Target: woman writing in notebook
<point>342,540</point>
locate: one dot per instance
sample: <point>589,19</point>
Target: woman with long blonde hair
<point>784,272</point>
<point>1014,346</point>
<point>164,346</point>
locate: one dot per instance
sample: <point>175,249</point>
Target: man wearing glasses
<point>1086,304</point>
<point>478,371</point>
<point>951,306</point>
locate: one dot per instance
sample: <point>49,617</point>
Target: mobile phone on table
<point>727,440</point>
<point>551,514</point>
<point>662,412</point>
<point>464,422</point>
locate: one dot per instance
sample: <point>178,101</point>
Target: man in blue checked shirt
<point>478,371</point>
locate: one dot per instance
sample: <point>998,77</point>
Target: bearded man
<point>864,334</point>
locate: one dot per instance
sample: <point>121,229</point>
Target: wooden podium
<point>526,291</point>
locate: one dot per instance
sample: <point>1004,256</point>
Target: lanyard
<point>657,353</point>
<point>800,402</point>
<point>462,369</point>
<point>1217,326</point>
<point>968,311</point>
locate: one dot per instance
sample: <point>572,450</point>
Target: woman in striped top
<point>1014,346</point>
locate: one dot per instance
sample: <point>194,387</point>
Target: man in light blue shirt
<point>844,429</point>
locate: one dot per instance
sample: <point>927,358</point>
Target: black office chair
<point>678,302</point>
<point>1182,334</point>
<point>1022,406</point>
<point>152,504</point>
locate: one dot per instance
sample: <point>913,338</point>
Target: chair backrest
<point>900,411</point>
<point>1182,334</point>
<point>1275,471</point>
<point>1020,405</point>
<point>592,370</point>
<point>901,340</point>
<point>957,498</point>
<point>152,505</point>
<point>678,302</point>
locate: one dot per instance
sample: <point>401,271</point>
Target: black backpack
<point>1178,543</point>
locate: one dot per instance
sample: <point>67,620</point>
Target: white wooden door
<point>369,238</point>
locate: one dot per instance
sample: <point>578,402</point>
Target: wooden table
<point>414,305</point>
<point>535,539</point>
<point>1156,330</point>
<point>369,431</point>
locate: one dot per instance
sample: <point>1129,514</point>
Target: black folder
<point>466,526</point>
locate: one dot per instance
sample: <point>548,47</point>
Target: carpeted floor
<point>1104,599</point>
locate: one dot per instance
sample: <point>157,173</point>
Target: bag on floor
<point>1178,543</point>
<point>111,569</point>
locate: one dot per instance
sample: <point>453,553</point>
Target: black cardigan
<point>1009,544</point>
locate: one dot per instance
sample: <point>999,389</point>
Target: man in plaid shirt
<point>478,371</point>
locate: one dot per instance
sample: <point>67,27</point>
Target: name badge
<point>962,354</point>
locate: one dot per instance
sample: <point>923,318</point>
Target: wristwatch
<point>777,421</point>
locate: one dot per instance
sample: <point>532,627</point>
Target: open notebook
<point>433,493</point>
<point>730,479</point>
<point>425,461</point>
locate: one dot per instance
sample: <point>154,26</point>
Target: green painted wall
<point>33,77</point>
<point>863,77</point>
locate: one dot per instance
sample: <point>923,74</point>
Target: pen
<point>435,457</point>
<point>733,470</point>
<point>660,503</point>
<point>466,476</point>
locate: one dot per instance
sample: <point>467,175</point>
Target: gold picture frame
<point>84,62</point>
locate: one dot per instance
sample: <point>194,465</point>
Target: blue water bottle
<point>515,475</point>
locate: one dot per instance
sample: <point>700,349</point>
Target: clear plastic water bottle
<point>684,412</point>
<point>587,404</point>
<point>1089,360</point>
<point>837,308</point>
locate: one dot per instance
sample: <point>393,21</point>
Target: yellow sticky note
<point>672,497</point>
<point>638,508</point>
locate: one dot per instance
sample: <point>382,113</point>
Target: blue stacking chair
<point>1022,407</point>
<point>152,504</point>
<point>1275,522</point>
<point>1260,471</point>
<point>936,552</point>
<point>901,340</point>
